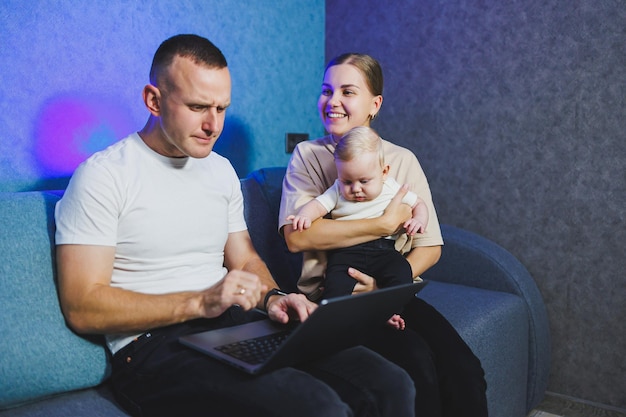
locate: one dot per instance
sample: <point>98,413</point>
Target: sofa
<point>48,370</point>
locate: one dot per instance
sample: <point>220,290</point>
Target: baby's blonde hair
<point>357,141</point>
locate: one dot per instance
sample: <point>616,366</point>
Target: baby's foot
<point>397,322</point>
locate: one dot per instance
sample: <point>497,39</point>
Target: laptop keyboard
<point>256,350</point>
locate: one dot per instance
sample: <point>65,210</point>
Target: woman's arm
<point>421,258</point>
<point>327,234</point>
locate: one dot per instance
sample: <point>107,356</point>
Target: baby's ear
<point>385,171</point>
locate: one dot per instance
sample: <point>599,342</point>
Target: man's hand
<point>282,308</point>
<point>236,288</point>
<point>365,283</point>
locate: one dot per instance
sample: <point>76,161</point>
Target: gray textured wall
<point>517,111</point>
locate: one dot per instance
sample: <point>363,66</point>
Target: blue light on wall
<point>71,78</point>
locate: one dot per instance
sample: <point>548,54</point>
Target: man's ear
<point>152,99</point>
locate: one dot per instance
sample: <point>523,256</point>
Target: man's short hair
<point>200,50</point>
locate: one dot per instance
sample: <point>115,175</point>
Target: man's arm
<point>91,305</point>
<point>239,254</point>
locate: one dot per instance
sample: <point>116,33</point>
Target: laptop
<point>337,324</point>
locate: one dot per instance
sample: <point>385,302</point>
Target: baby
<point>363,189</point>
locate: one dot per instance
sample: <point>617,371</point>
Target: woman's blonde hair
<point>367,65</point>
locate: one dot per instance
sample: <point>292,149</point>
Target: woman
<point>448,377</point>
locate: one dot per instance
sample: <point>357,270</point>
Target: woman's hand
<point>364,284</point>
<point>396,213</point>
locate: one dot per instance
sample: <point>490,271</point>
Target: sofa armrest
<point>471,260</point>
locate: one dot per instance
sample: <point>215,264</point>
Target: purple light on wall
<point>71,128</point>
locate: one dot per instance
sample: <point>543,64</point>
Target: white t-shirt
<point>168,218</point>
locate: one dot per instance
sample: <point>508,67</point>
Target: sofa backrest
<point>39,354</point>
<point>262,190</point>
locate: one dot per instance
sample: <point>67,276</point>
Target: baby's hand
<point>299,223</point>
<point>397,322</point>
<point>413,226</point>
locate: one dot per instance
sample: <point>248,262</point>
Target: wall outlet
<point>292,139</point>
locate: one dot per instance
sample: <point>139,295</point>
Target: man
<point>152,244</point>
